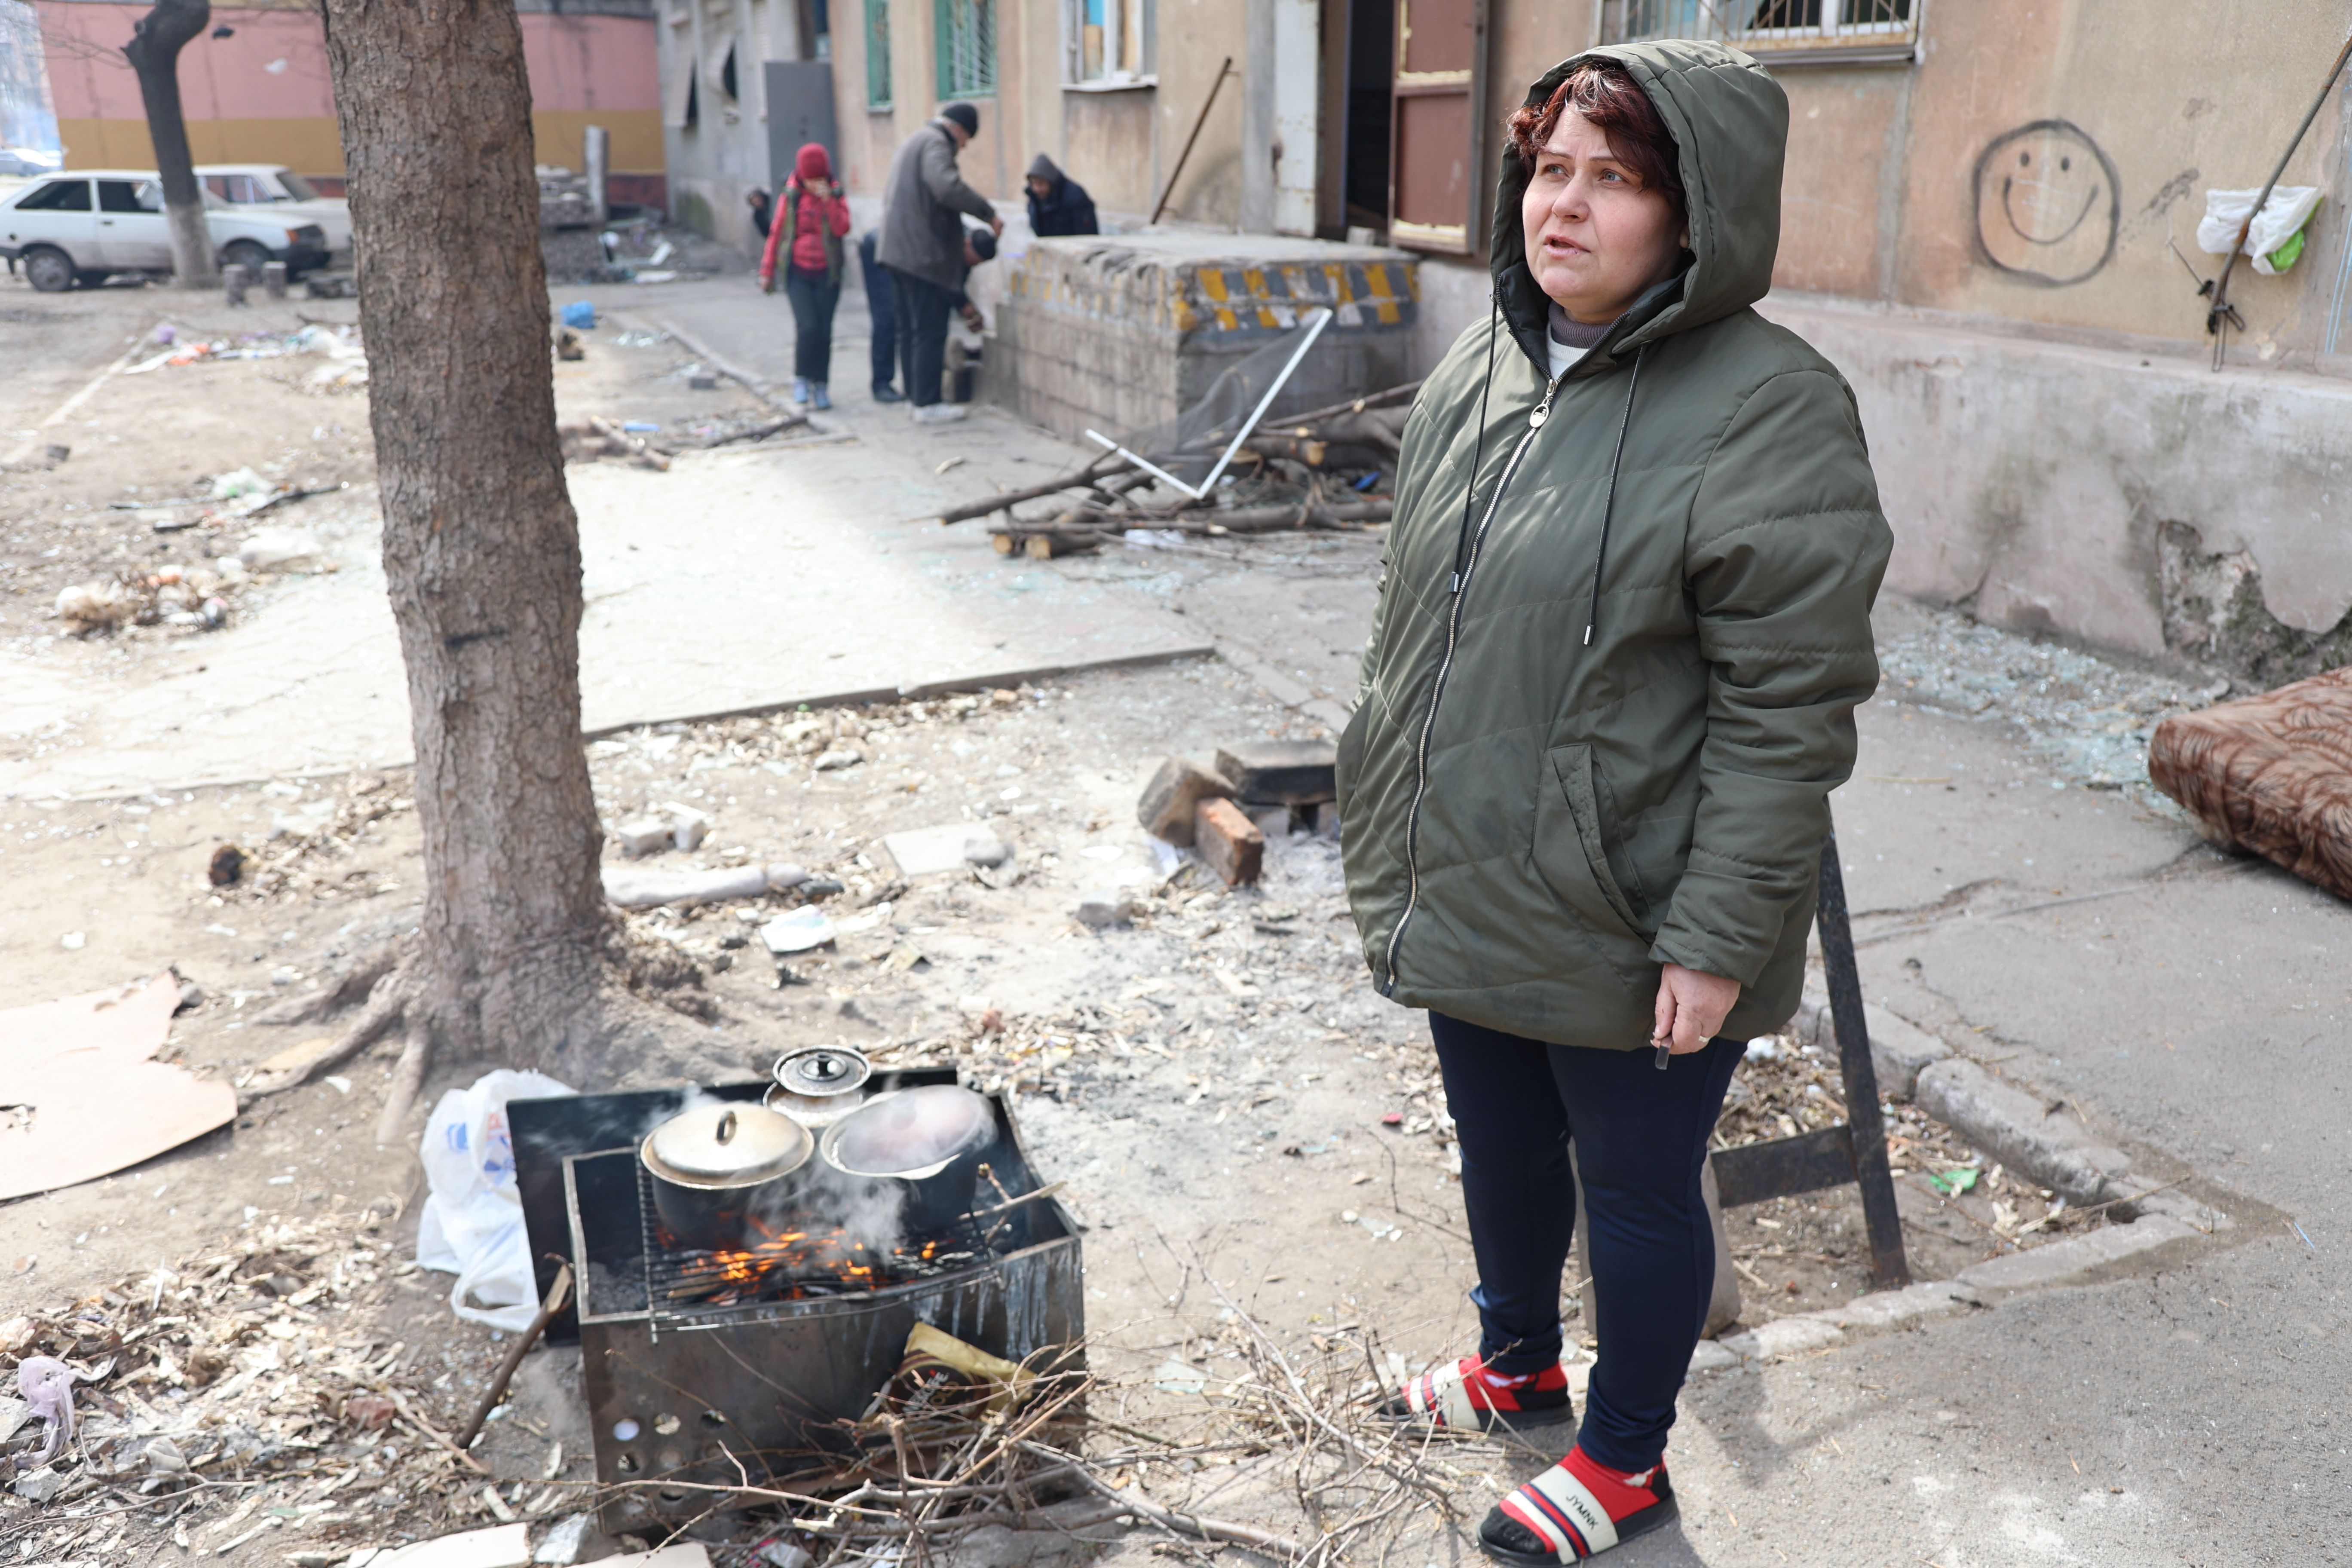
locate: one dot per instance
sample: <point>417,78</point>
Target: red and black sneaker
<point>1469,1396</point>
<point>1576,1510</point>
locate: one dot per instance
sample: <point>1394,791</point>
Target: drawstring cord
<point>1479,448</point>
<point>1609,507</point>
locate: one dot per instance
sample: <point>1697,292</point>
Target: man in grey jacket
<point>922,245</point>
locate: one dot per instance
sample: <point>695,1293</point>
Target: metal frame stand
<point>1855,1150</point>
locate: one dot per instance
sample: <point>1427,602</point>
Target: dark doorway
<point>1371,57</point>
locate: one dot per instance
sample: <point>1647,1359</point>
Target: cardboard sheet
<point>81,1095</point>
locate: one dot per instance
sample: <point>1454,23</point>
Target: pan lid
<point>911,1132</point>
<point>727,1145</point>
<point>820,1072</point>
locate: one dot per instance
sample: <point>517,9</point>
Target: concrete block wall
<point>2040,485</point>
<point>1119,332</point>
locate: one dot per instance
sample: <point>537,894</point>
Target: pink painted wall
<point>220,79</point>
<point>599,64</point>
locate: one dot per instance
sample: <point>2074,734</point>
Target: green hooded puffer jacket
<point>1568,766</point>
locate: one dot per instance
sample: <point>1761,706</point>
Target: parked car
<point>287,194</point>
<point>86,224</point>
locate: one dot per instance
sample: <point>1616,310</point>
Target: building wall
<point>262,95</point>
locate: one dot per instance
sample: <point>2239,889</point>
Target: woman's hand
<point>1691,1008</point>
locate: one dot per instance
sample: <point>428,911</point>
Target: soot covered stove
<point>707,1368</point>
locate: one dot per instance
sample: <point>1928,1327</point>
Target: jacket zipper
<point>1459,588</point>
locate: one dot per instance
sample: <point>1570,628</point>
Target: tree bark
<point>156,40</point>
<point>480,546</point>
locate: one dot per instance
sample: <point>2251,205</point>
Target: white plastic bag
<point>2288,209</point>
<point>472,1223</point>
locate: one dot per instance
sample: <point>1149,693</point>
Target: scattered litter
<point>506,1546</point>
<point>472,1223</point>
<point>595,437</point>
<point>580,314</point>
<point>92,1099</point>
<point>1953,1182</point>
<point>46,1386</point>
<point>634,887</point>
<point>804,928</point>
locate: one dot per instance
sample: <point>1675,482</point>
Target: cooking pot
<point>716,1167</point>
<point>818,1086</point>
<point>927,1142</point>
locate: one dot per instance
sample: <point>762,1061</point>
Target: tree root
<point>408,1080</point>
<point>387,1007</point>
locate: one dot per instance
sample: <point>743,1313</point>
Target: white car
<point>287,194</point>
<point>86,225</point>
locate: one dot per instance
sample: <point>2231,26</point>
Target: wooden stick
<point>1110,462</point>
<point>425,1428</point>
<point>1247,1535</point>
<point>557,1294</point>
<point>1355,405</point>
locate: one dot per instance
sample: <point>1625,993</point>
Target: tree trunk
<point>481,545</point>
<point>153,52</point>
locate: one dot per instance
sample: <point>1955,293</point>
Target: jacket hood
<point>1729,121</point>
<point>1044,168</point>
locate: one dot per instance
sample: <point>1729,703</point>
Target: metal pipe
<point>2214,315</point>
<point>1168,190</point>
<point>1888,1267</point>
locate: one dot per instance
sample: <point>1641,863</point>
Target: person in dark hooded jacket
<point>1058,203</point>
<point>1622,625</point>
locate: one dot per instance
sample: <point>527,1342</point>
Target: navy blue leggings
<point>1641,1140</point>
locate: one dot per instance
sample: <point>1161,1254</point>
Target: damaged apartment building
<point>1989,222</point>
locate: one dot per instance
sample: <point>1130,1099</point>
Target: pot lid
<point>822,1071</point>
<point>718,1144</point>
<point>910,1131</point>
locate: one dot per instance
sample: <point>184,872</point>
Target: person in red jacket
<point>806,232</point>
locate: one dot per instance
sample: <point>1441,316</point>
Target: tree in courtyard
<point>481,545</point>
<point>156,40</point>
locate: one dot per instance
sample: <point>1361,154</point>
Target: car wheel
<point>51,272</point>
<point>244,253</point>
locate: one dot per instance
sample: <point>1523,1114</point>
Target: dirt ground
<point>1215,1080</point>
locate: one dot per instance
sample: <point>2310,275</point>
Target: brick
<point>1281,772</point>
<point>645,835</point>
<point>1167,806</point>
<point>1228,841</point>
<point>1273,821</point>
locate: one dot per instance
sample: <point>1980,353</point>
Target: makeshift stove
<point>712,1368</point>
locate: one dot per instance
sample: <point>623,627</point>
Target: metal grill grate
<point>680,1282</point>
<point>1763,27</point>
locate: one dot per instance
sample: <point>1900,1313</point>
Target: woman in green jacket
<point>1623,623</point>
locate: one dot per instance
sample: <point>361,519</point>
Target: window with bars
<point>878,54</point>
<point>966,38</point>
<point>1106,43</point>
<point>1841,28</point>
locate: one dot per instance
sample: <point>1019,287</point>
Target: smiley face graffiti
<point>2047,202</point>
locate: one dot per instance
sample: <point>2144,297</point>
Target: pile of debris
<point>230,1394</point>
<point>338,344</point>
<point>585,441</point>
<point>1256,790</point>
<point>297,860</point>
<point>190,597</point>
<point>1331,469</point>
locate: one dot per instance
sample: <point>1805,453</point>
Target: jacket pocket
<point>1570,853</point>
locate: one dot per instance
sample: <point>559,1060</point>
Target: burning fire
<point>790,1264</point>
